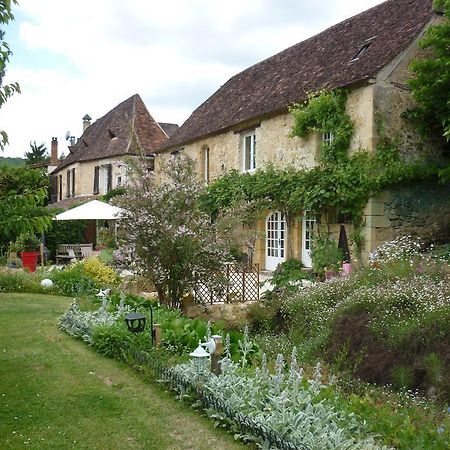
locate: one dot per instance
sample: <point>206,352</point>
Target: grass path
<point>57,393</point>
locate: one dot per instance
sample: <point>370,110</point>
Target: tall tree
<point>37,154</point>
<point>24,210</point>
<point>7,90</point>
<point>431,81</point>
<point>23,196</point>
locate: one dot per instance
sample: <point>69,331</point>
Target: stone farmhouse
<point>95,163</point>
<point>246,124</point>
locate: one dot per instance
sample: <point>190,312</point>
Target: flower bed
<point>285,409</point>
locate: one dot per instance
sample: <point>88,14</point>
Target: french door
<point>308,224</point>
<point>275,240</point>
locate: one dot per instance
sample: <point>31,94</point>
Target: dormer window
<point>248,151</point>
<point>363,49</point>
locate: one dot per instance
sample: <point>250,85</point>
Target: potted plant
<point>326,257</point>
<point>28,244</point>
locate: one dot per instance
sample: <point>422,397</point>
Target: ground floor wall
<point>421,210</point>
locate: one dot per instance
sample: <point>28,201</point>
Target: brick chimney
<point>86,121</point>
<point>54,152</point>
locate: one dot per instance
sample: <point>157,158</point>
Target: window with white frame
<point>328,137</point>
<point>105,178</point>
<point>248,151</point>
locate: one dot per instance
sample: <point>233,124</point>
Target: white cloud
<point>173,53</point>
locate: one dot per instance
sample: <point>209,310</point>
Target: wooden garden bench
<point>73,251</point>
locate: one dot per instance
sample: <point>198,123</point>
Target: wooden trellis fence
<point>241,284</point>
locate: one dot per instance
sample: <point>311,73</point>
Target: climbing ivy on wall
<point>324,112</point>
<point>430,84</point>
<point>340,180</point>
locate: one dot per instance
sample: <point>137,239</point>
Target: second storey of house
<point>256,143</point>
<point>88,178</point>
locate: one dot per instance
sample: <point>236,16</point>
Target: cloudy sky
<point>73,58</point>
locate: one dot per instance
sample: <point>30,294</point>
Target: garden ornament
<point>200,358</point>
<point>136,321</point>
<point>47,283</point>
<point>212,344</point>
<point>209,345</point>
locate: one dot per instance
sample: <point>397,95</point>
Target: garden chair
<point>86,252</point>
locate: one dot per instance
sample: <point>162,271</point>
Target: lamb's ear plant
<point>276,410</point>
<point>245,347</point>
<point>81,324</point>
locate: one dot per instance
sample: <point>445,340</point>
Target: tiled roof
<point>169,128</point>
<point>124,130</point>
<point>325,61</point>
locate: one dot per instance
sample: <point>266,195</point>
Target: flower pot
<point>329,274</point>
<point>346,269</point>
<point>29,260</point>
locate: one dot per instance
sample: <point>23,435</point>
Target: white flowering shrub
<point>377,322</point>
<point>284,402</point>
<point>407,285</point>
<point>402,307</point>
<point>401,248</point>
<point>164,236</point>
<point>310,309</point>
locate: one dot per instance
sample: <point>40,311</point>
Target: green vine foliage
<point>430,83</point>
<point>340,181</point>
<point>325,112</point>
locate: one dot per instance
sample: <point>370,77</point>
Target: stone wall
<point>421,210</point>
<point>276,145</point>
<point>392,97</point>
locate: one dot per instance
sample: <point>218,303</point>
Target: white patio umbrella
<point>93,210</point>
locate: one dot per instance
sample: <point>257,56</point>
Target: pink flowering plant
<point>164,235</point>
<point>381,322</point>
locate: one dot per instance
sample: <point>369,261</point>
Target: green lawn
<point>57,393</point>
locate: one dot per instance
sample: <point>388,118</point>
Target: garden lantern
<point>200,359</point>
<point>135,322</point>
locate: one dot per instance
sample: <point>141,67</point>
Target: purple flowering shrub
<point>164,236</point>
